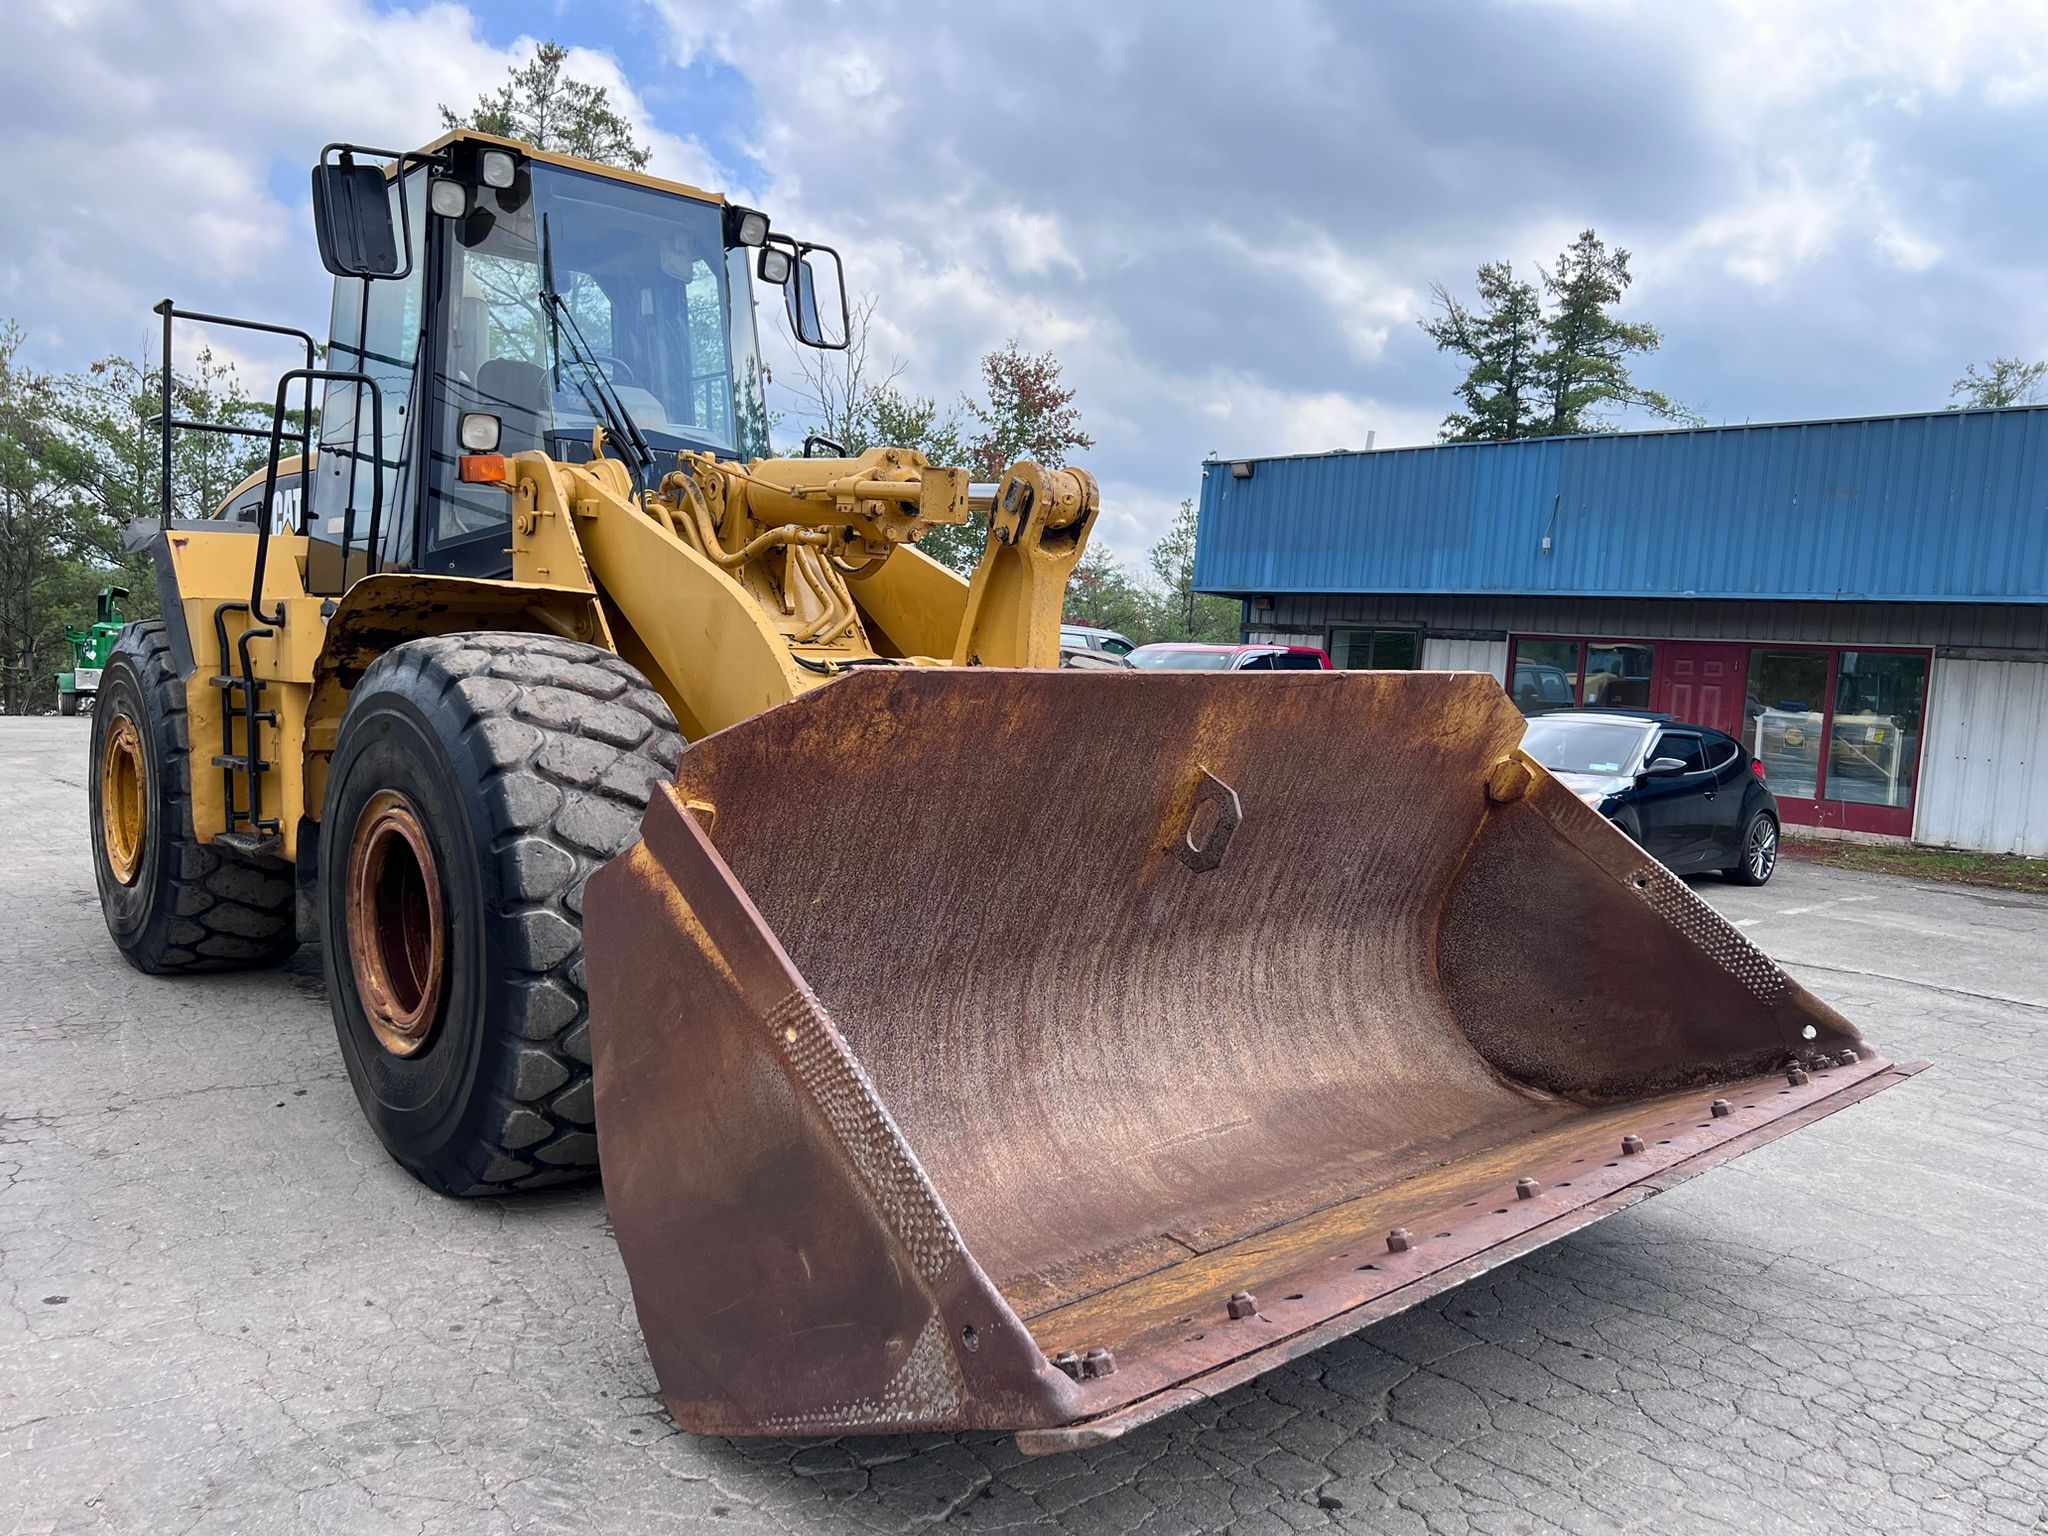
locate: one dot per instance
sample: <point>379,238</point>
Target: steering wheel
<point>614,368</point>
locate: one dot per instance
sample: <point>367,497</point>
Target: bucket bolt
<point>1527,1189</point>
<point>1849,1057</point>
<point>1242,1305</point>
<point>1796,1077</point>
<point>1399,1240</point>
<point>1631,1145</point>
<point>1721,1107</point>
<point>1097,1362</point>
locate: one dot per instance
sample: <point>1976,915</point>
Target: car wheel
<point>1759,849</point>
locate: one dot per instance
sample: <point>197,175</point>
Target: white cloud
<point>1220,217</point>
<point>1783,222</point>
<point>164,148</point>
<point>1362,300</point>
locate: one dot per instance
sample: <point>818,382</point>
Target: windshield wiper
<point>604,402</point>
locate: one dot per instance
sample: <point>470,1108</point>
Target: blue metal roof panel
<point>1945,506</point>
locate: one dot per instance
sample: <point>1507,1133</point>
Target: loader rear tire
<point>477,781</point>
<point>172,903</point>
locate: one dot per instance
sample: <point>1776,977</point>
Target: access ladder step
<point>240,763</point>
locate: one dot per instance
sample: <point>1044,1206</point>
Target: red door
<point>1702,684</point>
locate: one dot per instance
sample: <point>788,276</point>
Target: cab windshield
<point>660,309</point>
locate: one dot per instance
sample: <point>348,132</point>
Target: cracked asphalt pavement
<point>223,1309</point>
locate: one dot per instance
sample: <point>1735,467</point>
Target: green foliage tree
<point>1584,369</point>
<point>2002,381</point>
<point>80,459</point>
<point>541,106</point>
<point>1103,595</point>
<point>1182,612</point>
<point>1500,338</point>
<point>1029,414</point>
<point>59,527</point>
<point>1550,365</point>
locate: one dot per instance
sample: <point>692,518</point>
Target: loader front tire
<point>477,781</point>
<point>172,903</point>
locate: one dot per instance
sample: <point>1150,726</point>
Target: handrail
<point>168,423</point>
<point>361,380</point>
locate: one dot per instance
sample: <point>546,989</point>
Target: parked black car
<point>1689,794</point>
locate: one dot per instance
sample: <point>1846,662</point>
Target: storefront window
<point>1618,676</point>
<point>1383,650</point>
<point>1874,744</point>
<point>1787,692</point>
<point>1545,675</point>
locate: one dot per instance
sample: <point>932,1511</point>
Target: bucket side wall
<point>1575,962</point>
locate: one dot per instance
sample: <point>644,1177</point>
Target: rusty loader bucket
<point>1044,1051</point>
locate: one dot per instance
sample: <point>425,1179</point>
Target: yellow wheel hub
<point>124,799</point>
<point>397,932</point>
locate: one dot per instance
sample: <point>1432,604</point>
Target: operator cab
<point>531,299</point>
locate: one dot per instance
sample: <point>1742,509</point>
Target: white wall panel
<point>1443,655</point>
<point>1984,762</point>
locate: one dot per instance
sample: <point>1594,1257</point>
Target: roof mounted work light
<point>497,168</point>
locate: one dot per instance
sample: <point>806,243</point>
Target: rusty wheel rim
<point>397,932</point>
<point>124,799</point>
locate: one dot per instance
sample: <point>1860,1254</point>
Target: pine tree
<point>1584,369</point>
<point>1499,340</point>
<point>1537,369</point>
<point>538,105</point>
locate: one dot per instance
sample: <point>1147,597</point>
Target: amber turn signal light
<point>483,468</point>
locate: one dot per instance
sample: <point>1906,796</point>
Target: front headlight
<point>1595,797</point>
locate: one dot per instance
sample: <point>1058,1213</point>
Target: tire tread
<point>225,912</point>
<point>566,780</point>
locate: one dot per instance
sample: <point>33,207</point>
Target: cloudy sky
<point>1223,218</point>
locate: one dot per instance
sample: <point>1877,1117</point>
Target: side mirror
<point>352,220</point>
<point>1664,768</point>
<point>815,294</point>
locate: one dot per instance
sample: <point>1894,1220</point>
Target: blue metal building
<point>1865,601</point>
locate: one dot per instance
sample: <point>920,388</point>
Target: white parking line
<point>1818,906</point>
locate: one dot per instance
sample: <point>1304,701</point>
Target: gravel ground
<point>223,1309</point>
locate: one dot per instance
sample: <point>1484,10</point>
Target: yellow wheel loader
<point>966,1042</point>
